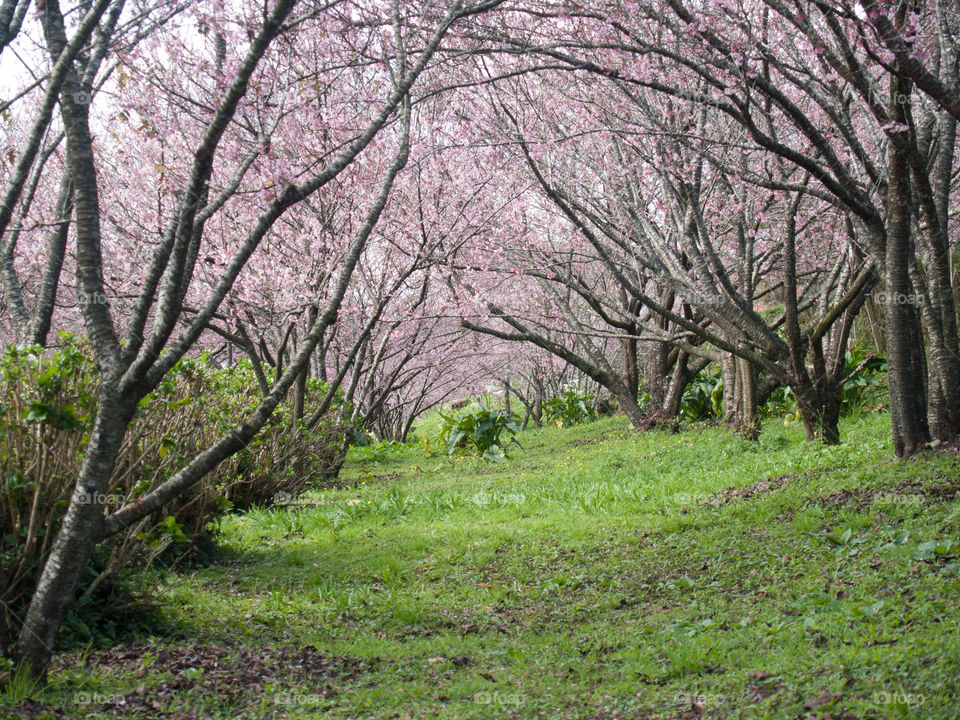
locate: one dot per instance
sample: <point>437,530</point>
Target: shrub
<point>569,408</point>
<point>703,397</point>
<point>479,433</point>
<point>45,406</point>
<point>866,388</point>
<point>284,457</point>
<point>780,402</point>
<point>47,401</point>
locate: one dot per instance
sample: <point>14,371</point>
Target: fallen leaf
<point>825,697</point>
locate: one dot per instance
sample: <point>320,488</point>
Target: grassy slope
<point>597,574</point>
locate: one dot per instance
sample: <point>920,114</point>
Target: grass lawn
<point>597,573</point>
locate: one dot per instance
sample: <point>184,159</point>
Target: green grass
<point>596,574</point>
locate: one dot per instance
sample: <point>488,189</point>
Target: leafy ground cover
<point>596,574</point>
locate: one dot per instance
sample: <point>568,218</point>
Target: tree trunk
<point>904,338</point>
<point>669,409</point>
<point>746,421</point>
<point>657,366</point>
<point>627,402</point>
<point>940,314</point>
<point>56,589</point>
<point>820,409</point>
<point>299,399</point>
<point>630,370</point>
<point>741,397</point>
<point>728,375</point>
<point>538,404</point>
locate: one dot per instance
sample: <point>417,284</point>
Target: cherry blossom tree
<point>244,143</point>
<point>413,200</point>
<point>809,85</point>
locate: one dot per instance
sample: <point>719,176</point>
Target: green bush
<point>867,388</point>
<point>479,433</point>
<point>779,403</point>
<point>703,397</point>
<point>569,408</point>
<point>47,401</point>
<point>284,457</point>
